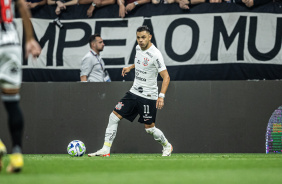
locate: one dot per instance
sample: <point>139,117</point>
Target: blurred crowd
<point>125,6</point>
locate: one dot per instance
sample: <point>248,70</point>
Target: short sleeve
<point>86,66</point>
<point>159,62</point>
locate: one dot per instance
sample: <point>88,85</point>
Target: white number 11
<point>146,107</point>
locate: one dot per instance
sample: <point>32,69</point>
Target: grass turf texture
<point>149,169</point>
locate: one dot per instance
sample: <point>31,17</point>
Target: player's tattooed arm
<point>125,70</point>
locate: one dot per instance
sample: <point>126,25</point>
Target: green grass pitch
<point>148,169</point>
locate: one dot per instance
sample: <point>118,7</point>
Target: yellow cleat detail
<point>16,163</point>
<point>3,151</point>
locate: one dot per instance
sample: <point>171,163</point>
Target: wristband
<point>93,4</point>
<point>162,95</point>
<point>136,3</point>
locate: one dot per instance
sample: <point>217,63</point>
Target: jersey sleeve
<point>86,66</point>
<point>159,62</point>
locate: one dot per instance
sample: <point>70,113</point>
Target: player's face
<point>143,39</point>
<point>98,44</point>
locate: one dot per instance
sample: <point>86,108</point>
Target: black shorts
<point>131,105</point>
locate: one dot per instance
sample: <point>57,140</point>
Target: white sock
<point>111,131</point>
<point>158,136</point>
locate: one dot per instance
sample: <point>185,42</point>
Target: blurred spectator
<point>250,3</point>
<point>92,65</point>
<point>184,4</point>
<point>163,1</point>
<point>61,4</point>
<point>95,4</point>
<point>126,6</point>
<point>34,3</point>
<point>216,1</point>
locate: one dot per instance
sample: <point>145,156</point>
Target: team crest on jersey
<point>119,106</point>
<point>145,62</point>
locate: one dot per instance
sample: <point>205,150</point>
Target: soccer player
<point>10,75</point>
<point>142,98</point>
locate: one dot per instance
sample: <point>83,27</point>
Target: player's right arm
<point>125,70</point>
<point>31,47</point>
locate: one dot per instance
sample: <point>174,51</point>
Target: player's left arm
<point>166,79</point>
<point>31,47</point>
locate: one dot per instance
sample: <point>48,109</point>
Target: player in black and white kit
<point>142,98</point>
<point>10,75</point>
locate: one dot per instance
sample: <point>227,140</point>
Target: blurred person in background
<point>248,3</point>
<point>61,4</point>
<point>11,75</point>
<point>95,4</point>
<point>35,3</point>
<point>126,6</point>
<point>92,65</point>
<point>183,4</point>
<point>163,1</point>
<point>253,3</point>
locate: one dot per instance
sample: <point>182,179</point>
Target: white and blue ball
<point>76,148</point>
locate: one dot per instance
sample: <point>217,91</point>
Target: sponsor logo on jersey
<point>140,78</point>
<point>149,54</point>
<point>147,117</point>
<point>140,71</point>
<point>119,106</point>
<point>159,63</point>
<point>14,70</point>
<point>139,89</point>
<point>113,135</point>
<point>145,62</point>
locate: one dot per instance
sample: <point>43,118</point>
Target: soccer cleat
<point>100,153</point>
<point>167,151</point>
<point>3,151</point>
<point>16,163</point>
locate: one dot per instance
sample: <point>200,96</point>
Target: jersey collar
<point>147,49</point>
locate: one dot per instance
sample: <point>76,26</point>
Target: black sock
<point>16,122</point>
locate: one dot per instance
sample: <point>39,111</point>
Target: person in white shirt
<point>142,98</point>
<point>92,65</point>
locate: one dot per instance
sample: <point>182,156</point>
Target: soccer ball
<point>76,148</point>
